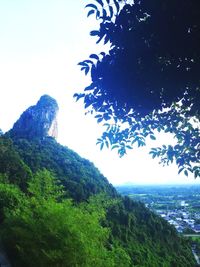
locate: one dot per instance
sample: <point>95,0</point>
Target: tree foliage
<point>79,176</point>
<point>42,231</point>
<point>41,226</point>
<point>149,240</point>
<point>149,79</point>
<point>12,166</point>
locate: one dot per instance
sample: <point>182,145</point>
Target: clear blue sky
<point>41,42</point>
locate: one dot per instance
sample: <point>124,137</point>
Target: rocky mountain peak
<point>39,120</point>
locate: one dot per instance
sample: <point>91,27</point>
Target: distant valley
<point>177,204</point>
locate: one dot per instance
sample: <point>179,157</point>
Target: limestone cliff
<point>39,120</point>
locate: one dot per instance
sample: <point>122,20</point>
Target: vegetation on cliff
<point>45,221</point>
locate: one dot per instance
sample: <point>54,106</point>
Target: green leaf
<point>196,173</point>
<point>152,137</point>
<point>134,141</point>
<point>107,125</point>
<point>115,146</point>
<point>102,145</point>
<point>180,170</point>
<point>107,144</point>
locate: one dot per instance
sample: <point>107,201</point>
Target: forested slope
<point>128,232</point>
<point>58,210</point>
<point>79,176</point>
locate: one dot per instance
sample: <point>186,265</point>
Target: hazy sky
<point>41,42</point>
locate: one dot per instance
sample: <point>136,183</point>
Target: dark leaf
<point>100,119</point>
<point>134,140</point>
<point>106,117</point>
<point>98,14</point>
<point>196,173</point>
<point>100,38</point>
<point>88,103</point>
<point>152,137</point>
<point>83,64</point>
<point>102,145</point>
<point>78,96</point>
<point>180,170</point>
<point>100,2</point>
<point>107,125</point>
<point>104,14</point>
<point>90,87</point>
<point>115,146</point>
<point>107,144</point>
<point>87,61</point>
<point>116,5</point>
<point>94,56</point>
<point>106,39</point>
<point>153,156</point>
<point>94,33</point>
<point>111,11</point>
<point>92,11</point>
<point>98,116</point>
<point>92,6</point>
<point>87,70</point>
<point>103,54</point>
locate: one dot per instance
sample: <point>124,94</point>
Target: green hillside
<point>41,227</point>
<point>79,176</point>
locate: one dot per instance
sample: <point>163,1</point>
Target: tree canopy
<point>38,230</point>
<point>41,226</point>
<point>149,80</point>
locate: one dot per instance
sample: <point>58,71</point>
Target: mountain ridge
<point>39,120</point>
<point>145,238</point>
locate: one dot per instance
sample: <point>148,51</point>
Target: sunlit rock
<point>38,121</point>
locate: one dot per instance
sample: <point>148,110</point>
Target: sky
<point>41,42</point>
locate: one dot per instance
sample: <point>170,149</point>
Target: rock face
<point>38,121</point>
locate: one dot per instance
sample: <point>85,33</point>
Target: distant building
<point>196,228</point>
<point>185,215</point>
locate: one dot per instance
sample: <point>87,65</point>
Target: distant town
<point>179,205</point>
